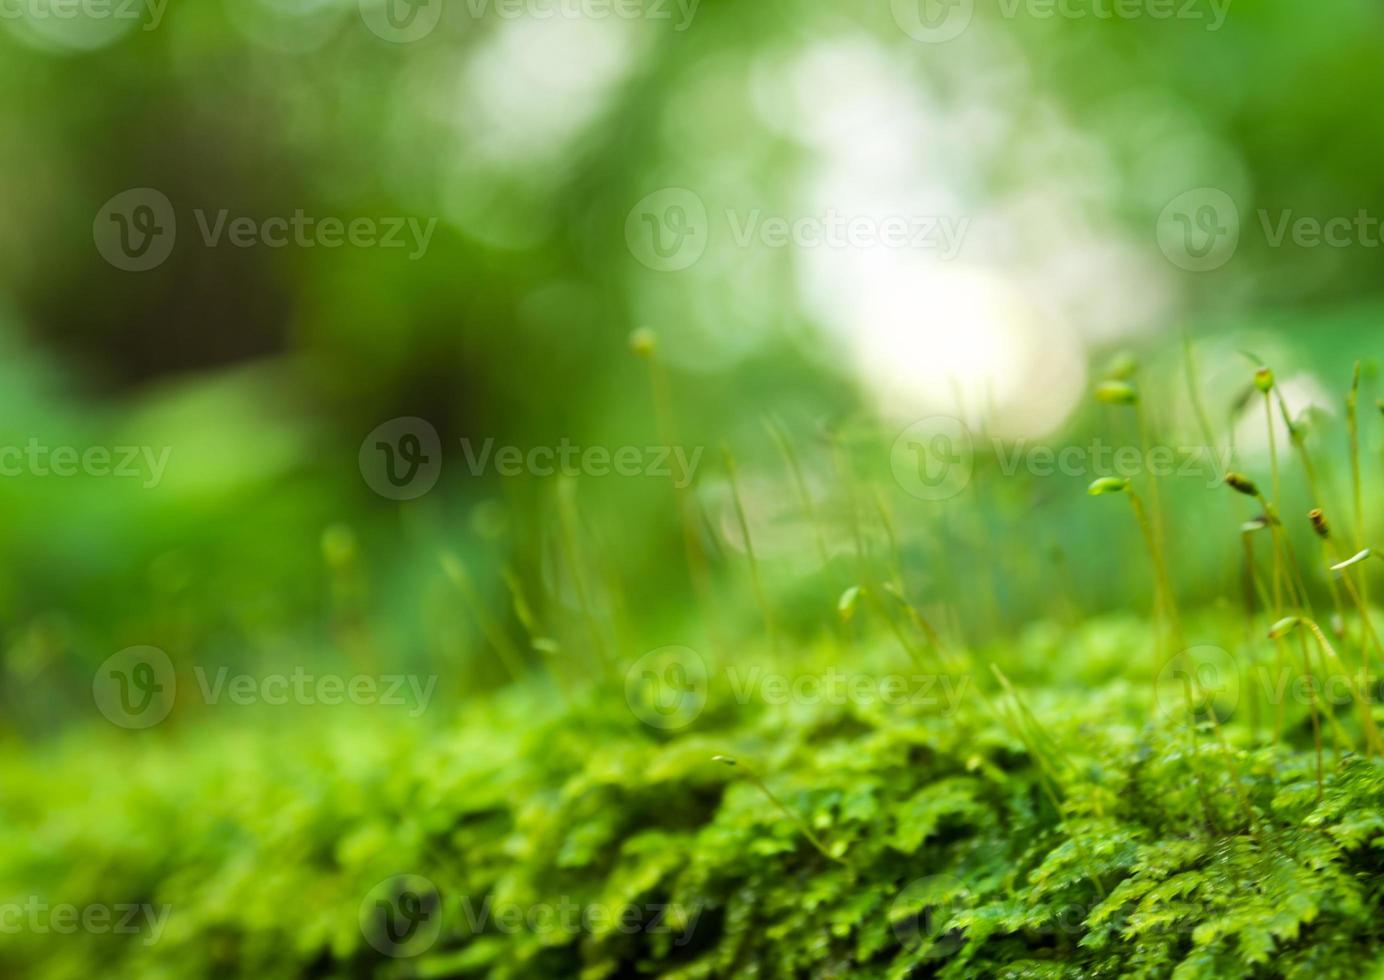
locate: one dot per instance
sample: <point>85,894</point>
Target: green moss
<point>536,827</point>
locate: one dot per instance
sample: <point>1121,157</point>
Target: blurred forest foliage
<point>530,139</point>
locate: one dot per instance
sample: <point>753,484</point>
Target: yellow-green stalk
<point>756,580</point>
<point>795,471</point>
<point>1047,775</point>
<point>1353,424</point>
<point>644,344</point>
<point>349,593</point>
<point>1194,393</point>
<point>1108,485</point>
<point>568,542</point>
<point>494,634</point>
<point>1123,392</point>
<point>1162,583</point>
<point>1264,382</point>
<point>1244,485</point>
<point>793,818</point>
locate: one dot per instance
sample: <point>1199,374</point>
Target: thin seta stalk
<point>896,589</point>
<point>1165,599</point>
<point>1290,624</point>
<point>1344,567</point>
<point>1353,424</point>
<point>1297,435</point>
<point>782,807</point>
<point>1120,391</point>
<point>790,458</point>
<point>1162,584</point>
<point>494,634</point>
<point>644,344</point>
<point>568,540</point>
<point>539,640</point>
<point>1331,550</point>
<point>1024,724</point>
<point>1264,381</point>
<point>756,579</point>
<point>1198,407</point>
<point>1243,485</point>
<point>1287,569</point>
<point>867,587</point>
<point>1252,587</point>
<point>1357,494</point>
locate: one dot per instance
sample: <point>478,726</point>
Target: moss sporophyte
<point>1098,791</point>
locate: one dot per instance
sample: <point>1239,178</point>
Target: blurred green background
<point>539,139</point>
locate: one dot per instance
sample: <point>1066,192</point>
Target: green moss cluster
<point>553,834</point>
